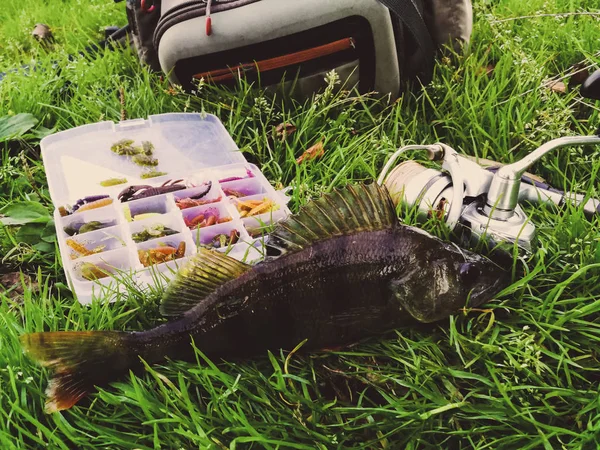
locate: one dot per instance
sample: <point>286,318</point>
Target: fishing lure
<point>144,160</point>
<point>145,190</point>
<point>152,232</point>
<point>236,194</point>
<point>140,155</point>
<point>92,272</point>
<point>124,147</point>
<point>113,182</point>
<point>152,174</point>
<point>85,227</point>
<point>248,208</point>
<point>194,199</point>
<point>85,204</point>
<point>86,200</point>
<point>145,216</point>
<point>92,226</point>
<point>161,254</point>
<point>249,174</point>
<point>81,250</point>
<point>205,219</point>
<point>225,240</point>
<point>95,205</point>
<point>147,148</point>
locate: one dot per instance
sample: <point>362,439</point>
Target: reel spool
<point>432,191</point>
<point>476,202</point>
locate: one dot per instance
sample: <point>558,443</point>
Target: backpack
<point>375,45</point>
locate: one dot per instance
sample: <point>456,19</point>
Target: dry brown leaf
<point>487,70</point>
<point>42,33</point>
<point>283,130</point>
<point>13,288</point>
<point>557,86</point>
<point>316,151</point>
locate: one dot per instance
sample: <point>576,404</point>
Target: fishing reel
<point>483,203</point>
<point>476,202</point>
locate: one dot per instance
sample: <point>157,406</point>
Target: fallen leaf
<point>316,151</point>
<point>557,86</point>
<point>13,288</point>
<point>283,130</point>
<point>42,33</point>
<point>487,70</point>
<point>171,91</point>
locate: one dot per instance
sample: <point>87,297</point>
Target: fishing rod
<point>485,202</point>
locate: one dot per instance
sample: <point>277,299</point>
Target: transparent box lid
<point>78,160</point>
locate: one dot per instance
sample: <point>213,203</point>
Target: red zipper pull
<point>146,8</point>
<point>208,18</point>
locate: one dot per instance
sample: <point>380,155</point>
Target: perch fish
<point>340,270</point>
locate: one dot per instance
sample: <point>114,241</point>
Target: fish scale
<point>340,270</point>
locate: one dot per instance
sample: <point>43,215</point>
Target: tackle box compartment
<point>135,200</point>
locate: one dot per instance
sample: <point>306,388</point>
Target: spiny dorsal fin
<point>349,210</point>
<point>204,272</point>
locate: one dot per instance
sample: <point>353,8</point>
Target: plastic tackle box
<point>109,225</point>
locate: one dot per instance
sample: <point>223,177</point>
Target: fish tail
<point>79,360</point>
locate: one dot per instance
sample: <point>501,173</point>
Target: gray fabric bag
<point>377,45</point>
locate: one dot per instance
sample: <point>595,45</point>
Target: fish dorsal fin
<point>203,273</point>
<point>349,210</point>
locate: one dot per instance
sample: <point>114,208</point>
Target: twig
<point>535,16</point>
<point>589,105</point>
<point>122,98</point>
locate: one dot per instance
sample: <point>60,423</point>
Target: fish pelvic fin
<point>79,361</point>
<point>203,274</point>
<point>352,209</point>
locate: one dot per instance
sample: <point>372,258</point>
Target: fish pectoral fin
<point>203,274</point>
<point>345,211</point>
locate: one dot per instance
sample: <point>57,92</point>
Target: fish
<point>340,270</point>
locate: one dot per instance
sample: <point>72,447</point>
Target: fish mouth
<point>486,293</point>
<point>494,275</point>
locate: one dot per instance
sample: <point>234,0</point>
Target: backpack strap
<point>409,14</point>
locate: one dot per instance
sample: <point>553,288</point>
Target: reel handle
<point>503,194</point>
<point>533,190</point>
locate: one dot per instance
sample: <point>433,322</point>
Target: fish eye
<point>469,273</point>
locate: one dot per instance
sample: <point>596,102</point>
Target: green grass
<point>523,374</point>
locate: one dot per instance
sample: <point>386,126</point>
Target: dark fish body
<point>337,279</point>
<point>337,291</point>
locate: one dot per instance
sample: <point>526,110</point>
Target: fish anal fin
<point>203,274</point>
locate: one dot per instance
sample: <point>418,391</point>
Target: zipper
<point>279,62</point>
<point>192,9</point>
<point>200,7</point>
